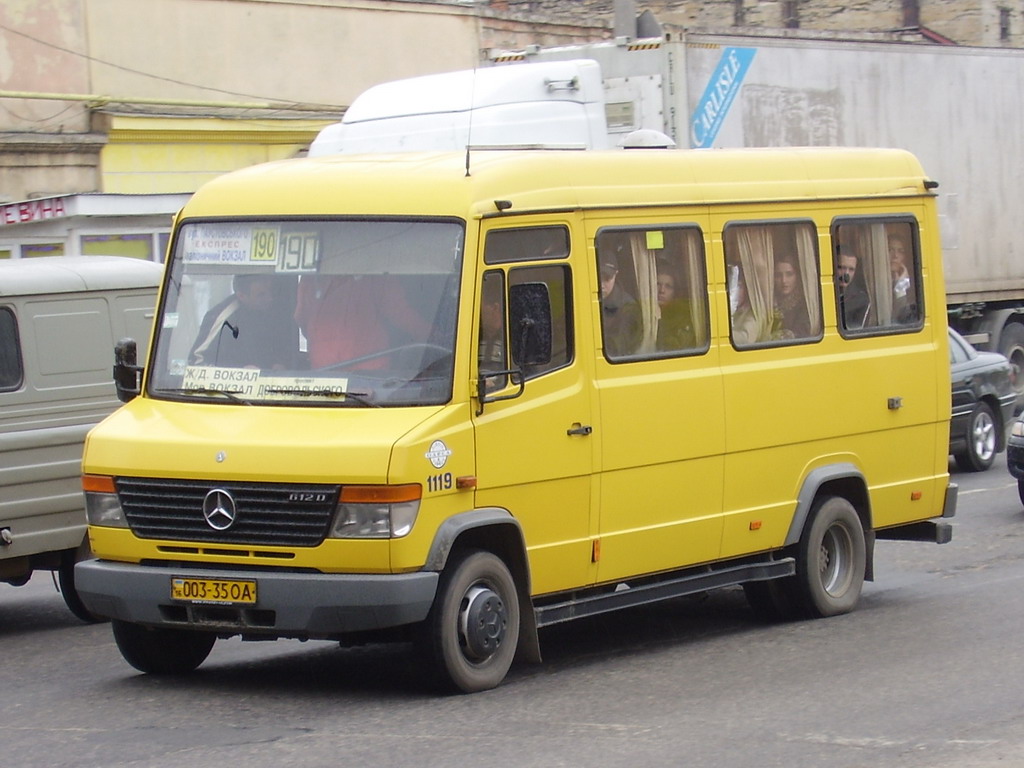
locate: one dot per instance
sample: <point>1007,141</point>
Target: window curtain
<point>646,271</point>
<point>809,276</point>
<point>695,274</point>
<point>874,261</point>
<point>757,261</point>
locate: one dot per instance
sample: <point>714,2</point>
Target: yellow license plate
<point>213,590</point>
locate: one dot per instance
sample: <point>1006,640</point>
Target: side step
<point>674,585</point>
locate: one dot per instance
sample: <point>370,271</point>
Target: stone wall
<point>998,23</point>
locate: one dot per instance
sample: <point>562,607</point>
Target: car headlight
<point>376,511</point>
<point>1017,430</point>
<point>102,507</point>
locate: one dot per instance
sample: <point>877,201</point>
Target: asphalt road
<point>927,673</point>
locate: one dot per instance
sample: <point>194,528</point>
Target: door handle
<point>579,429</point>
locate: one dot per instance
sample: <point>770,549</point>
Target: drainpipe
<point>625,19</point>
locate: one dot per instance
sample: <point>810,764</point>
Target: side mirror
<point>530,325</point>
<point>127,372</point>
<point>529,338</point>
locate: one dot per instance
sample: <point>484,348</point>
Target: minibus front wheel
<point>473,628</point>
<point>162,651</point>
<point>832,558</point>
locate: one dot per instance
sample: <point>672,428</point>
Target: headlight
<point>102,507</point>
<point>1017,430</point>
<point>376,511</point>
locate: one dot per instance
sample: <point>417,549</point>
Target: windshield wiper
<point>358,397</point>
<point>230,394</point>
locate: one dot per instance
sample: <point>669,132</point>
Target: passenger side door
<point>659,391</point>
<point>535,438</point>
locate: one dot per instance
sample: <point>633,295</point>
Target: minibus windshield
<point>335,313</point>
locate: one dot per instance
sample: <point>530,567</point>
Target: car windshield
<point>333,313</point>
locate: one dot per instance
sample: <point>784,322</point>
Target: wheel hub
<point>483,620</point>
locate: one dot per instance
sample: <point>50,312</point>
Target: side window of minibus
<point>493,345</point>
<point>773,283</point>
<point>534,244</point>
<point>10,353</point>
<point>558,282</point>
<point>877,266</point>
<point>653,292</point>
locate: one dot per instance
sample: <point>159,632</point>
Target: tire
<point>832,558</point>
<point>1011,344</point>
<point>982,437</point>
<point>66,580</point>
<point>1020,489</point>
<point>472,631</point>
<point>162,651</point>
<point>774,600</point>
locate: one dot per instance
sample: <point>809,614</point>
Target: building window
<point>739,13</point>
<point>42,249</point>
<point>1004,25</point>
<point>791,14</point>
<point>138,246</point>
<point>911,14</point>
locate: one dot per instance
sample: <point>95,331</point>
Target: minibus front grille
<point>269,514</point>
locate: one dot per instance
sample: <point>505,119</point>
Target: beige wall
<point>271,50</point>
<point>28,65</point>
<point>219,56</point>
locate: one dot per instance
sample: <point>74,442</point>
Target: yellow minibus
<point>455,398</point>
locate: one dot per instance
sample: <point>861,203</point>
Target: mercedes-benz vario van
<point>457,397</point>
<point>59,317</point>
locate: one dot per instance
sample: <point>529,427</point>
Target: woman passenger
<point>675,328</point>
<point>790,303</point>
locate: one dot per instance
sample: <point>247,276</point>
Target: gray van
<point>60,318</point>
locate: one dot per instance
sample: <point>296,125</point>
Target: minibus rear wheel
<point>831,558</point>
<point>473,628</point>
<point>162,651</point>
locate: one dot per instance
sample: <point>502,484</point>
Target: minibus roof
<point>70,274</point>
<point>470,183</point>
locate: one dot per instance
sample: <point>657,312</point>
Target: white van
<point>59,320</point>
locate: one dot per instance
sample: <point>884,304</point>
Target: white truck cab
<point>550,104</point>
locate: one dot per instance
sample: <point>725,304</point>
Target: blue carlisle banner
<point>718,96</point>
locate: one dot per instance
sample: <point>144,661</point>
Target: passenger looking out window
<point>620,315</point>
<point>664,269</point>
<point>773,272</point>
<point>886,267</point>
<point>790,303</point>
<point>675,326</point>
<point>854,303</point>
<point>904,303</point>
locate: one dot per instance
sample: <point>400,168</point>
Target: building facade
<point>179,91</point>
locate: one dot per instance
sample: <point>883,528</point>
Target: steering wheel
<point>440,353</point>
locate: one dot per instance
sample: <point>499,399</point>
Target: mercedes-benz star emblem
<point>219,509</point>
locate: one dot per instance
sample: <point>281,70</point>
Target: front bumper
<point>301,605</point>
